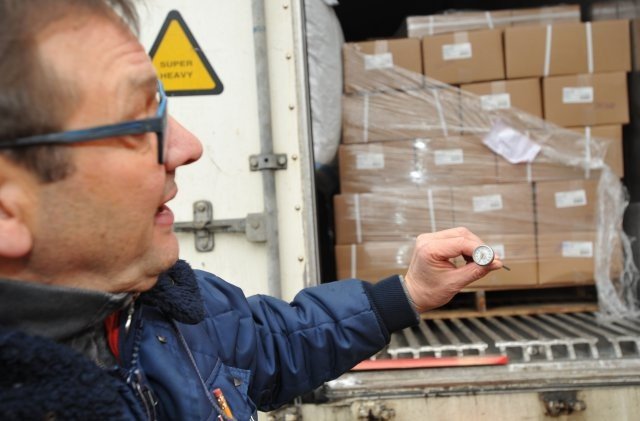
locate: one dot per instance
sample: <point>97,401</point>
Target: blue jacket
<point>194,333</point>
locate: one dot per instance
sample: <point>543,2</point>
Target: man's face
<point>106,226</point>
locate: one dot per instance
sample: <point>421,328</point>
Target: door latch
<point>204,226</point>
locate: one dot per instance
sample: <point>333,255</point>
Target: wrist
<point>408,293</point>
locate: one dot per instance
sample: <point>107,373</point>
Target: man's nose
<point>183,147</point>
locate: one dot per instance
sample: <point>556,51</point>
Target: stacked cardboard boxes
<point>413,158</point>
<point>583,66</point>
<point>566,218</point>
<point>584,87</point>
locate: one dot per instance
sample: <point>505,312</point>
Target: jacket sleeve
<point>322,333</point>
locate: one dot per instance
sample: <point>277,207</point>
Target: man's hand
<point>432,279</point>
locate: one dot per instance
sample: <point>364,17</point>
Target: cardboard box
<point>542,169</point>
<point>615,155</point>
<point>396,115</point>
<point>568,205</point>
<point>373,261</point>
<point>457,160</point>
<point>566,258</point>
<point>518,252</point>
<point>575,143</point>
<point>567,48</point>
<point>570,258</point>
<point>494,208</point>
<point>419,26</point>
<point>586,100</point>
<point>418,164</point>
<point>381,166</point>
<point>523,95</point>
<point>478,114</point>
<point>368,217</point>
<point>382,65</point>
<point>464,57</point>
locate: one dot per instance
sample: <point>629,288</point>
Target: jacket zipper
<point>183,342</point>
<point>133,376</point>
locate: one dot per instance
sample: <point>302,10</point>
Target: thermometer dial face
<point>483,255</point>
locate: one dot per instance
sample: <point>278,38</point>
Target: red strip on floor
<point>431,362</point>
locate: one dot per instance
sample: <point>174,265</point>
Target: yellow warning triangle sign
<point>180,62</point>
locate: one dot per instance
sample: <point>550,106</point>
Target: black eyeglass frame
<point>156,124</point>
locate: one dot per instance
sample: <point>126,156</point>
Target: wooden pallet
<point>484,303</point>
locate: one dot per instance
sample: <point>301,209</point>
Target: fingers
<point>449,247</point>
<point>432,278</point>
<point>468,243</point>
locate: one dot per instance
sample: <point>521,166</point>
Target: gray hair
<point>32,99</point>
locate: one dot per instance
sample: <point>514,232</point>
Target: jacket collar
<point>177,294</point>
<point>54,312</point>
<point>60,313</point>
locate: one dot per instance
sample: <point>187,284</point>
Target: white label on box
<point>499,250</point>
<point>577,249</point>
<point>378,61</point>
<point>449,156</point>
<point>457,51</point>
<point>492,202</point>
<point>571,199</point>
<point>495,102</point>
<point>370,161</point>
<point>578,95</point>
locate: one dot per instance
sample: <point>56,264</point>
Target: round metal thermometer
<point>483,255</point>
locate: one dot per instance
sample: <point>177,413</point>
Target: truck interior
<point>566,328</point>
<point>379,19</point>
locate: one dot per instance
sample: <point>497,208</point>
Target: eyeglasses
<point>156,124</point>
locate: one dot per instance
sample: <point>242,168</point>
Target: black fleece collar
<point>60,313</point>
<point>177,294</point>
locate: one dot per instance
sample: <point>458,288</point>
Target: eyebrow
<point>147,81</point>
<point>141,85</point>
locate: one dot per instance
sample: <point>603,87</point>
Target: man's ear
<point>16,239</point>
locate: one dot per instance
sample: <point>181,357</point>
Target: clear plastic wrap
<point>550,201</point>
<point>324,39</point>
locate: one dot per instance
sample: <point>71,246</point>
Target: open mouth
<point>164,215</point>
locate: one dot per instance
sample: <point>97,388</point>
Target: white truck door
<point>233,112</point>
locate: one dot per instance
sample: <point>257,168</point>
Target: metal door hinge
<point>562,403</point>
<point>268,162</point>
<point>204,226</point>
